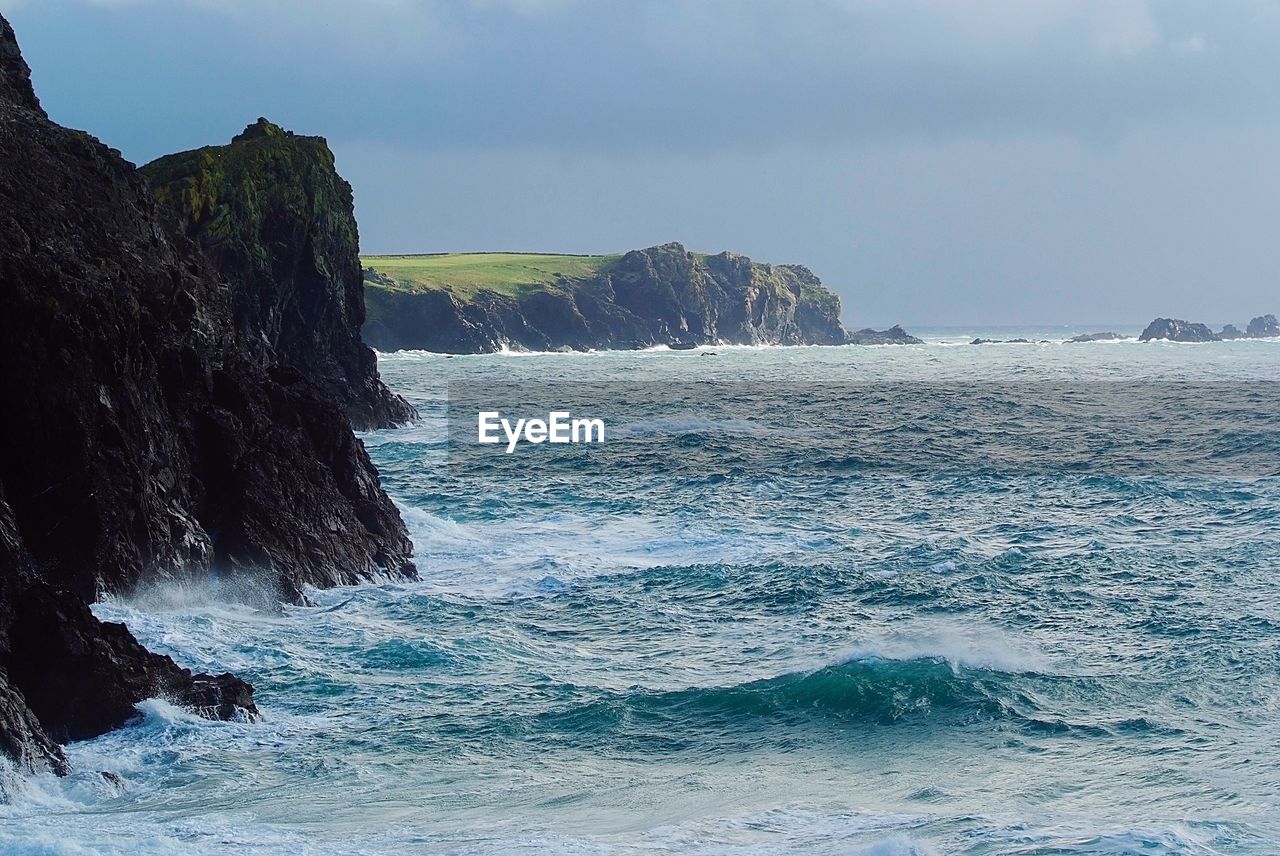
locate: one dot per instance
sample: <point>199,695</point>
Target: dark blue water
<point>938,599</point>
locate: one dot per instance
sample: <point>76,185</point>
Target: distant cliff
<point>275,218</point>
<point>663,295</point>
<point>156,426</point>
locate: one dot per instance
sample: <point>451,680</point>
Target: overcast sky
<point>935,162</point>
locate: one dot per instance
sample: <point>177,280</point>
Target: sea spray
<point>778,648</point>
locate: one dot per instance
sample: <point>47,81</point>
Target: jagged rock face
<point>1176,330</point>
<point>22,738</point>
<point>1263,327</point>
<point>276,219</point>
<point>1229,332</point>
<point>145,437</point>
<point>82,677</point>
<point>15,75</point>
<point>95,302</point>
<point>662,295</point>
<point>65,675</point>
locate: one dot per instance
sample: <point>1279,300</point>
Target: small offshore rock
<point>895,335</point>
<point>1097,337</point>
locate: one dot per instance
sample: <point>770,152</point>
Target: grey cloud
<point>692,74</point>
<point>991,160</point>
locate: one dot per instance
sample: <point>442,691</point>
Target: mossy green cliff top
<point>274,217</point>
<point>223,188</point>
<point>470,302</point>
<point>467,274</point>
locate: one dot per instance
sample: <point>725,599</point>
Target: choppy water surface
<point>729,634</point>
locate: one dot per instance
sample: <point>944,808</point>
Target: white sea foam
<point>960,643</point>
<point>243,593</point>
<point>425,434</point>
<point>499,557</point>
<point>481,739</point>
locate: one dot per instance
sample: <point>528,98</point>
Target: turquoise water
<point>738,630</point>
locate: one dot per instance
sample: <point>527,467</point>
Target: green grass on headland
<point>465,274</point>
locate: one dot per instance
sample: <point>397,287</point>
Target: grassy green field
<point>467,273</point>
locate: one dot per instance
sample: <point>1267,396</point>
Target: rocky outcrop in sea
<point>157,426</point>
<point>1177,330</point>
<point>895,335</point>
<point>662,295</point>
<point>1106,336</point>
<point>1263,327</point>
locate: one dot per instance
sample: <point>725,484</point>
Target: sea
<point>894,600</point>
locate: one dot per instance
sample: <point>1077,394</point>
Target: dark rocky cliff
<point>663,295</point>
<point>151,432</point>
<point>276,219</point>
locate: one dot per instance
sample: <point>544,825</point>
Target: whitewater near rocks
<point>791,648</point>
<point>170,413</point>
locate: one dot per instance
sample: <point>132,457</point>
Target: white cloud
<point>525,7</point>
<point>1195,44</point>
<point>1107,27</point>
<point>1123,27</point>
